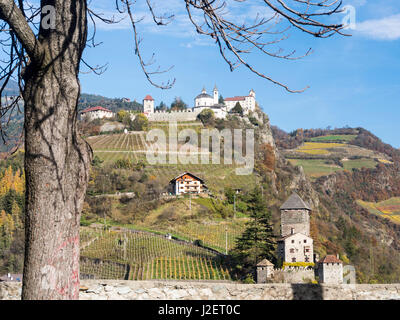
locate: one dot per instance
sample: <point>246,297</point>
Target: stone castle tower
<point>148,105</point>
<point>296,245</point>
<point>295,216</point>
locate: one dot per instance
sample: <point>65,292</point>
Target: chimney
<point>8,275</point>
<point>337,255</point>
<point>292,231</point>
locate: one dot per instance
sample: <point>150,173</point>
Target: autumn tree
<point>43,45</point>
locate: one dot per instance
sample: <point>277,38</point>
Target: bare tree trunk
<point>57,160</point>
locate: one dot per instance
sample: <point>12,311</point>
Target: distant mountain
<point>86,100</point>
<point>114,104</point>
<point>12,88</point>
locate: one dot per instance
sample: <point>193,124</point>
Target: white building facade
<point>296,247</point>
<point>92,113</point>
<point>248,103</point>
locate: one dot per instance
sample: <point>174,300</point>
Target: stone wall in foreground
<point>176,290</point>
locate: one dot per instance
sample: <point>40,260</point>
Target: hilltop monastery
<point>201,102</point>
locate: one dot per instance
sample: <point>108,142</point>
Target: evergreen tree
<point>257,241</point>
<point>178,104</point>
<point>237,109</point>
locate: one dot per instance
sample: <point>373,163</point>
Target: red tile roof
<point>95,109</point>
<point>330,259</point>
<point>235,99</point>
<point>148,97</point>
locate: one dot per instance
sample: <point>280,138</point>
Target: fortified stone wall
<point>294,275</point>
<point>161,116</point>
<point>181,290</point>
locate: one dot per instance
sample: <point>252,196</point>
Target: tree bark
<point>57,160</point>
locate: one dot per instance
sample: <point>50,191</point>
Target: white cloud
<point>180,27</point>
<point>387,28</point>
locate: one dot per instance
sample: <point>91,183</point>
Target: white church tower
<point>216,95</point>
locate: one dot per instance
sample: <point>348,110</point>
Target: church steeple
<point>216,94</point>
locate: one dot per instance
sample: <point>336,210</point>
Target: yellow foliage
<point>298,264</point>
<point>385,161</point>
<point>7,223</point>
<point>318,147</point>
<point>314,151</point>
<point>11,181</point>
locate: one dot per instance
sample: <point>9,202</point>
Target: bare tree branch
<point>18,23</point>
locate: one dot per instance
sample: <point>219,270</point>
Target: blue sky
<point>353,81</point>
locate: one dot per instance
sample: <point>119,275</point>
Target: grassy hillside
<point>327,154</point>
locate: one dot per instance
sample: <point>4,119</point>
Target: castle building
<point>201,102</point>
<point>98,112</point>
<point>248,103</point>
<point>330,270</point>
<point>295,244</point>
<point>148,105</point>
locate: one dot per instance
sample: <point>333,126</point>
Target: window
<point>307,259</point>
<point>292,241</point>
<point>293,259</point>
<point>305,240</point>
<point>292,250</point>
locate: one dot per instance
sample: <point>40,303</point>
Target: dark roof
<point>95,109</point>
<point>191,174</point>
<point>264,263</point>
<point>204,95</point>
<point>330,259</point>
<point>294,202</point>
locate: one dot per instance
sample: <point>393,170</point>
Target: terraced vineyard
<point>389,209</point>
<point>133,146</point>
<point>143,256</point>
<point>217,235</point>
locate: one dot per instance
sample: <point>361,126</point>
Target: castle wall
<point>184,290</point>
<point>299,220</point>
<point>294,275</point>
<point>159,116</point>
